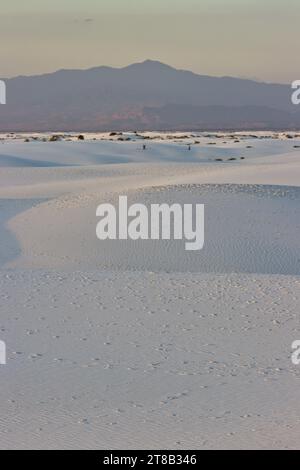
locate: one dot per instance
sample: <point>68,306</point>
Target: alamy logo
<point>2,353</point>
<point>2,92</point>
<point>296,353</point>
<point>162,223</point>
<point>296,94</point>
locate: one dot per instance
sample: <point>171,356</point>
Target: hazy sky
<point>245,38</point>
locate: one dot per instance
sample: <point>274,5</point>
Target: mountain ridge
<point>105,97</point>
<point>142,63</point>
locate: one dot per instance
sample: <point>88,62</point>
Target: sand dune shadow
<point>9,208</point>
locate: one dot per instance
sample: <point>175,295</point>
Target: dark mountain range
<point>148,95</point>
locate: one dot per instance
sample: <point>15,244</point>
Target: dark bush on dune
<point>54,138</point>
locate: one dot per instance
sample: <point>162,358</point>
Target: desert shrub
<point>54,138</point>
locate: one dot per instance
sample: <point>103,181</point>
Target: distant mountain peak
<point>155,63</point>
<point>152,64</point>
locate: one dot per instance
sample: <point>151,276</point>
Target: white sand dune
<point>142,344</point>
<point>233,242</point>
<point>107,360</point>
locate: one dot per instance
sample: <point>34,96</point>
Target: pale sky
<point>244,38</point>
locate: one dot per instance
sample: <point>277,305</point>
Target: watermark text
<point>163,222</point>
<point>296,353</point>
<point>2,353</point>
<point>2,92</point>
<point>296,93</point>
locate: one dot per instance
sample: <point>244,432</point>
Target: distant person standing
<point>144,147</point>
